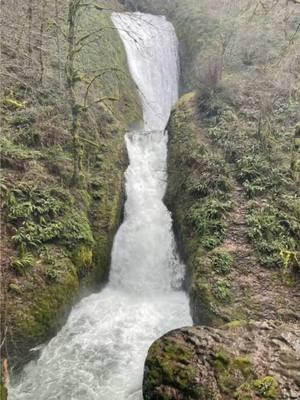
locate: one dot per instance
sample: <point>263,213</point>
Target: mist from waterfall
<point>99,354</point>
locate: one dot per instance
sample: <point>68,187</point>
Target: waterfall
<point>99,354</point>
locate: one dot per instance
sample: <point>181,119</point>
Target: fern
<point>23,262</point>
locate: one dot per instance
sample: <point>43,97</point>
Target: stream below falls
<point>99,354</point>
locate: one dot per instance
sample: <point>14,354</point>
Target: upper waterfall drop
<point>99,354</point>
<point>152,51</point>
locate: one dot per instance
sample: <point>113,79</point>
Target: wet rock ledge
<point>242,361</point>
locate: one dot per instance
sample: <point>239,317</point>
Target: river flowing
<point>99,354</point>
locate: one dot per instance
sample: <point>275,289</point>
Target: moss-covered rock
<point>169,370</point>
<point>241,362</point>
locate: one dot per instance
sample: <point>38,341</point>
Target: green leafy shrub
<point>34,234</point>
<point>214,179</point>
<point>43,215</point>
<point>22,263</point>
<point>11,153</point>
<point>222,261</point>
<point>41,204</point>
<point>267,387</point>
<point>273,230</point>
<point>208,219</point>
<point>22,119</point>
<point>258,176</point>
<point>207,186</point>
<point>29,137</point>
<point>222,290</point>
<point>51,274</point>
<point>213,97</point>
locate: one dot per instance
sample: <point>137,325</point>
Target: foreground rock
<point>243,361</point>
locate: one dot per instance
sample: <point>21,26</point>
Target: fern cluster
<point>275,231</point>
<point>41,215</point>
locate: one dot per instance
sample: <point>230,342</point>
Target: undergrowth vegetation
<point>274,228</point>
<point>41,215</point>
<point>208,219</point>
<point>207,194</point>
<point>200,195</point>
<point>266,164</point>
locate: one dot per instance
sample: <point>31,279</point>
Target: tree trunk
<point>58,46</point>
<point>42,29</point>
<point>29,16</point>
<point>75,107</point>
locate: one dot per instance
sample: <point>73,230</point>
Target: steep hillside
<point>56,233</point>
<point>237,220</point>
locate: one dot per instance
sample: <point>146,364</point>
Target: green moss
<point>232,372</point>
<point>222,360</point>
<point>263,388</point>
<point>82,257</point>
<point>169,364</point>
<point>22,119</point>
<point>76,229</point>
<point>244,392</point>
<point>33,320</point>
<point>235,324</point>
<point>237,376</point>
<point>267,388</point>
<point>243,364</point>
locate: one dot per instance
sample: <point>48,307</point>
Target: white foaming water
<point>99,354</point>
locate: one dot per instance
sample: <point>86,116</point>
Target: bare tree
<point>76,43</point>
<point>41,40</point>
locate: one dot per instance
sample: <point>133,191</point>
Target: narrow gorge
<point>100,351</point>
<point>150,200</point>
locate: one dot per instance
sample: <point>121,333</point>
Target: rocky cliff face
<point>256,360</point>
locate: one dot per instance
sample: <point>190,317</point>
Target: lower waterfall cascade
<point>99,354</point>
